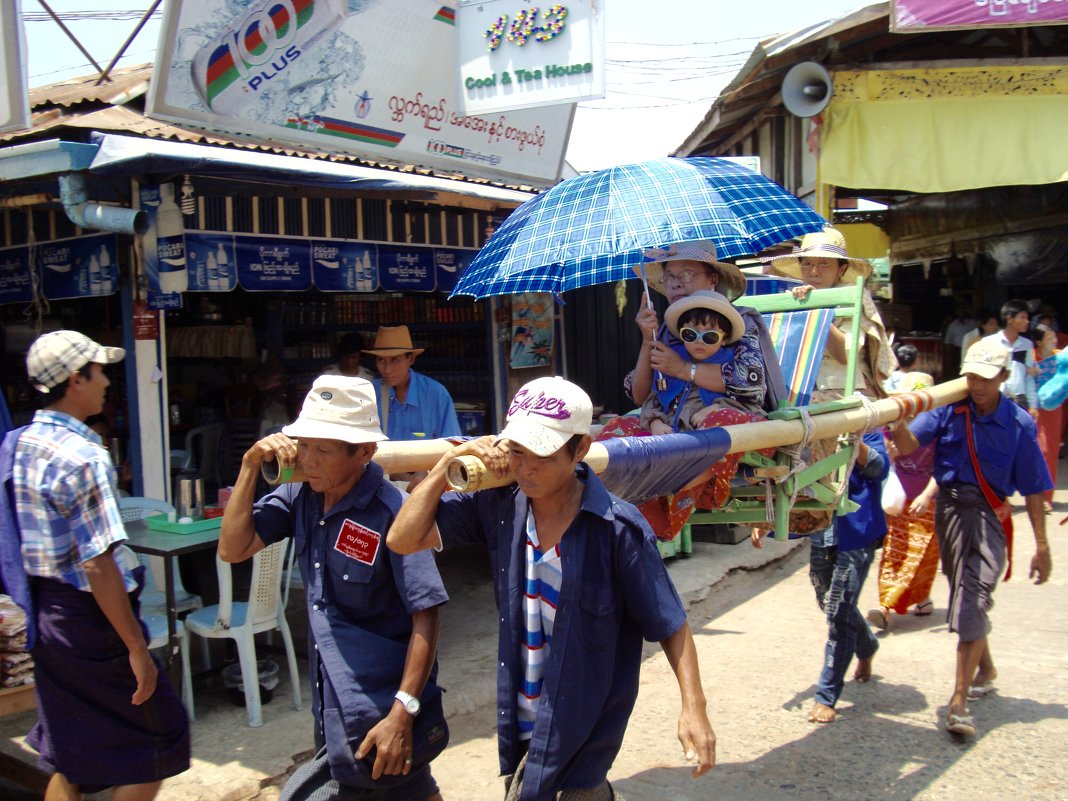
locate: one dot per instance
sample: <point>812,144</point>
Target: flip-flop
<point>923,609</point>
<point>980,691</point>
<point>963,725</point>
<point>879,618</point>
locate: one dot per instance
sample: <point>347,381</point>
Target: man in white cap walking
<point>107,716</point>
<point>372,615</point>
<point>986,449</point>
<point>580,585</point>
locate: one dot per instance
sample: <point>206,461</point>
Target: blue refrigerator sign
<point>80,267</point>
<point>344,266</point>
<point>273,264</point>
<point>406,269</point>
<point>16,283</point>
<point>210,260</point>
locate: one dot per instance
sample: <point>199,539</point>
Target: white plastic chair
<point>154,599</point>
<point>241,621</point>
<point>157,633</point>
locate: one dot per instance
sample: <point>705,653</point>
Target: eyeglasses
<point>707,337</point>
<point>685,277</point>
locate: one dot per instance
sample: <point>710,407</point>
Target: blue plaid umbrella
<point>593,228</point>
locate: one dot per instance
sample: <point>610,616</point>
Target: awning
<point>122,155</point>
<point>946,130</point>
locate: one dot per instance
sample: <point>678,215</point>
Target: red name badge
<point>358,542</point>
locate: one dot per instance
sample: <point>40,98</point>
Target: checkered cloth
<point>593,228</point>
<point>54,356</point>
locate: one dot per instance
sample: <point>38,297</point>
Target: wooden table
<point>144,540</point>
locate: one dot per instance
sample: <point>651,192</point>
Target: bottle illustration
<point>213,272</point>
<point>170,243</point>
<point>366,281</point>
<point>230,70</point>
<point>94,275</point>
<point>104,260</point>
<point>222,262</point>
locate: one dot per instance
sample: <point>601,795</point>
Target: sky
<point>666,61</point>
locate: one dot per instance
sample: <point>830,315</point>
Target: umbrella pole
<point>661,382</point>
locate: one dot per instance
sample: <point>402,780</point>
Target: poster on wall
<point>344,266</point>
<point>163,245</point>
<point>16,281</point>
<point>516,55</point>
<point>78,267</point>
<point>450,265</point>
<point>14,98</point>
<point>210,261</point>
<point>273,264</point>
<point>370,78</point>
<point>532,330</point>
<point>920,16</point>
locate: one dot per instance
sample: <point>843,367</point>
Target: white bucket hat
<point>53,357</point>
<point>705,299</point>
<point>826,244</point>
<point>338,407</point>
<point>545,413</point>
<point>731,281</point>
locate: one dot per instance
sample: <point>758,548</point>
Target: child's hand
<point>660,427</point>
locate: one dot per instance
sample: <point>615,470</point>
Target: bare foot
<point>984,677</point>
<point>822,714</point>
<point>863,672</point>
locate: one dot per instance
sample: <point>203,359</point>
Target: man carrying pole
<point>986,449</point>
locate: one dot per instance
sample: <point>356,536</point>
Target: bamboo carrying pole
<point>393,457</point>
<point>468,473</point>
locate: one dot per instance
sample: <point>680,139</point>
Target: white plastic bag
<point>893,494</point>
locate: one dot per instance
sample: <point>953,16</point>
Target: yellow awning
<point>944,130</point>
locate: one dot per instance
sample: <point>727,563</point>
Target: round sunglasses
<point>708,337</point>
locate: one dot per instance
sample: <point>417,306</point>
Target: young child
<point>706,325</point>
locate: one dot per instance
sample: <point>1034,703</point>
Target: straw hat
<point>392,340</point>
<point>731,280</point>
<point>705,299</point>
<point>338,407</point>
<point>914,382</point>
<point>826,244</point>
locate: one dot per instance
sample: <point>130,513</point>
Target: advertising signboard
<point>369,78</point>
<point>14,100</point>
<point>916,16</point>
<point>517,55</point>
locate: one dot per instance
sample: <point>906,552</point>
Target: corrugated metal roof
<point>125,84</point>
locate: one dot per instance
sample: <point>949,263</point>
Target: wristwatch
<point>411,703</point>
<point>693,372</point>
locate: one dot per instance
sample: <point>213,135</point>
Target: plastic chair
<point>154,599</point>
<point>241,621</point>
<point>157,633</point>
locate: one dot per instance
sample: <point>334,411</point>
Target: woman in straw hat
<point>822,262</point>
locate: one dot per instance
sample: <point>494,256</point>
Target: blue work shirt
<point>862,527</point>
<point>351,579</point>
<point>615,592</point>
<point>1006,443</point>
<point>427,411</point>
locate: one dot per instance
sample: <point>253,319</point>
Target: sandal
<point>963,725</point>
<point>880,618</point>
<point>924,608</point>
<point>978,691</point>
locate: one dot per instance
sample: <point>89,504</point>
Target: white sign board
<point>14,100</point>
<point>370,78</point>
<point>521,54</point>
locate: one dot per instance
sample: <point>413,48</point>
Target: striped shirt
<point>64,486</point>
<point>544,576</point>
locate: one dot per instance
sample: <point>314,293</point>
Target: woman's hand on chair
<point>801,292</point>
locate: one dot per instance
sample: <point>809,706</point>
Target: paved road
<point>760,644</point>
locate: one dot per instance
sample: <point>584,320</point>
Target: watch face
<point>412,706</point>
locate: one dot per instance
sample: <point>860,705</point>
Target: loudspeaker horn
<point>806,89</point>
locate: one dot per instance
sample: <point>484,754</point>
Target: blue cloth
<point>676,387</point>
<point>375,590</point>
<point>427,411</point>
<point>838,577</point>
<point>1019,383</point>
<point>1005,442</point>
<point>65,501</point>
<point>615,593</point>
<point>13,578</point>
<point>866,525</point>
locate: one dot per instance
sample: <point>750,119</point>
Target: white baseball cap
<point>545,413</point>
<point>985,359</point>
<point>53,357</point>
<point>338,407</point>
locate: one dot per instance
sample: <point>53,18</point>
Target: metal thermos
<point>188,495</point>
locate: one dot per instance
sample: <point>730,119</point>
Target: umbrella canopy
<point>593,228</point>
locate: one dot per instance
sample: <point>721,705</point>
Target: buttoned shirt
<point>427,412</point>
<point>1018,382</point>
<point>615,592</point>
<point>351,581</point>
<point>1005,443</point>
<point>65,501</point>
